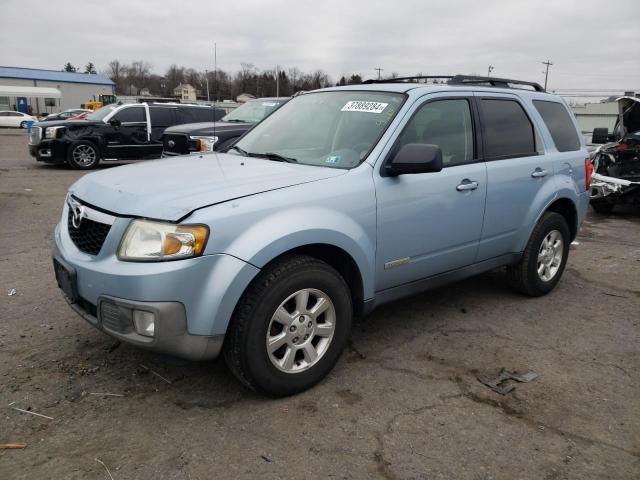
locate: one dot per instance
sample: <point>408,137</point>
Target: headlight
<point>51,132</point>
<point>157,241</point>
<point>205,144</point>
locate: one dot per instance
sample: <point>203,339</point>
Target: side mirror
<point>415,158</point>
<point>114,122</point>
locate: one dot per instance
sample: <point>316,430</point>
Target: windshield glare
<point>100,113</point>
<point>252,111</point>
<point>332,129</point>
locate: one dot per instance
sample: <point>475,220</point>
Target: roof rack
<point>464,80</point>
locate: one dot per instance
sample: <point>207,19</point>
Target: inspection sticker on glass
<point>269,104</point>
<point>361,106</point>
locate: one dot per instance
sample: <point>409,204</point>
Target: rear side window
<point>508,131</point>
<point>161,116</point>
<point>195,115</point>
<point>131,114</point>
<point>560,126</point>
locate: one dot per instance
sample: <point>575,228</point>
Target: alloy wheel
<point>301,330</point>
<point>84,155</point>
<point>550,255</point>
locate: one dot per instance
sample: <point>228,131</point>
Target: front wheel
<point>290,326</point>
<point>23,124</point>
<point>544,258</point>
<point>83,156</point>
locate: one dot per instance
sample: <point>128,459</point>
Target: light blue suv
<point>342,200</point>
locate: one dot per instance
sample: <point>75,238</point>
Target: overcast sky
<point>592,44</point>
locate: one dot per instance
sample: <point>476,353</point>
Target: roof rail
<point>463,80</point>
<point>493,81</point>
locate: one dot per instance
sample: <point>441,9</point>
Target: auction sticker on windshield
<point>360,106</point>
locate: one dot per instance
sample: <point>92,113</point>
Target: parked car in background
<point>342,200</point>
<point>616,163</point>
<point>15,119</point>
<point>114,132</point>
<point>66,115</point>
<point>82,116</point>
<point>207,137</point>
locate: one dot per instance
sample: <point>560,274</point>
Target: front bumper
<point>48,152</point>
<point>114,316</point>
<point>193,299</point>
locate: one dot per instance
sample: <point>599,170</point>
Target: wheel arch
<point>567,208</point>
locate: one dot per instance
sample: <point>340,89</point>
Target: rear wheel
<point>544,257</point>
<point>83,155</point>
<point>290,326</point>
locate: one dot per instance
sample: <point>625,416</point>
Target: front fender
<point>293,228</point>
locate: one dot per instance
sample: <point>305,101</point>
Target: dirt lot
<point>403,402</point>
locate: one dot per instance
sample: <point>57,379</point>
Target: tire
<point>525,276</point>
<point>23,124</point>
<point>276,372</point>
<point>602,206</point>
<point>83,155</point>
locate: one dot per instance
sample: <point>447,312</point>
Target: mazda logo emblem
<point>77,213</point>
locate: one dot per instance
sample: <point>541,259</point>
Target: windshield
<point>101,113</point>
<point>332,129</point>
<point>252,111</point>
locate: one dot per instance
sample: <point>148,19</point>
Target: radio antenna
<point>215,84</point>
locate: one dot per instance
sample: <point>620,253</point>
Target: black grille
<point>177,144</point>
<point>90,236</point>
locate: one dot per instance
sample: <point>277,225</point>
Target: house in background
<point>185,93</point>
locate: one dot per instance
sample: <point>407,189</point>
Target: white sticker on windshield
<point>268,104</point>
<point>360,106</point>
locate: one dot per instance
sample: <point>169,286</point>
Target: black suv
<point>114,132</point>
<point>208,137</point>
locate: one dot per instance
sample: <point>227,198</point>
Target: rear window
<point>131,114</point>
<point>508,131</point>
<point>161,116</point>
<point>560,126</point>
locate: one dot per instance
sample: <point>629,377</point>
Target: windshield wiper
<point>234,120</point>
<point>238,149</point>
<point>274,156</point>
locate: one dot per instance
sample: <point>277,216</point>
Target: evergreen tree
<point>69,68</point>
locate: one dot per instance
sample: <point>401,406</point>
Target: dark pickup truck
<point>114,132</point>
<point>218,136</point>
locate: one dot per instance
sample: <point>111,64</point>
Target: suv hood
<point>170,189</point>
<point>208,128</point>
<point>68,123</point>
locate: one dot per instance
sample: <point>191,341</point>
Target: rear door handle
<point>467,184</point>
<point>539,173</point>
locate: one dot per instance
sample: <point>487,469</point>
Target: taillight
<point>588,172</point>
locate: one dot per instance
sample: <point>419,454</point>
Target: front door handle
<point>539,173</point>
<point>467,184</point>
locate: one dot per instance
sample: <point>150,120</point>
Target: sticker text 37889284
<point>362,106</point>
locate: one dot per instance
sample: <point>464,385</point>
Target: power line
<point>379,70</point>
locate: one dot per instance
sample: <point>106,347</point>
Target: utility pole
<point>215,72</point>
<point>489,70</point>
<point>277,80</point>
<point>378,69</point>
<point>546,72</point>
<point>206,77</point>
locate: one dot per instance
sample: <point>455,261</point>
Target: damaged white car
<point>616,165</point>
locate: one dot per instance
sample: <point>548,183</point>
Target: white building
<point>185,92</point>
<point>596,115</point>
<point>75,88</point>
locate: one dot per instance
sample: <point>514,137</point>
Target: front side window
<point>101,113</point>
<point>557,119</point>
<point>131,115</point>
<point>446,123</point>
<point>333,129</point>
<point>508,131</point>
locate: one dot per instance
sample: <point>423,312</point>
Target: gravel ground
<point>403,402</point>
